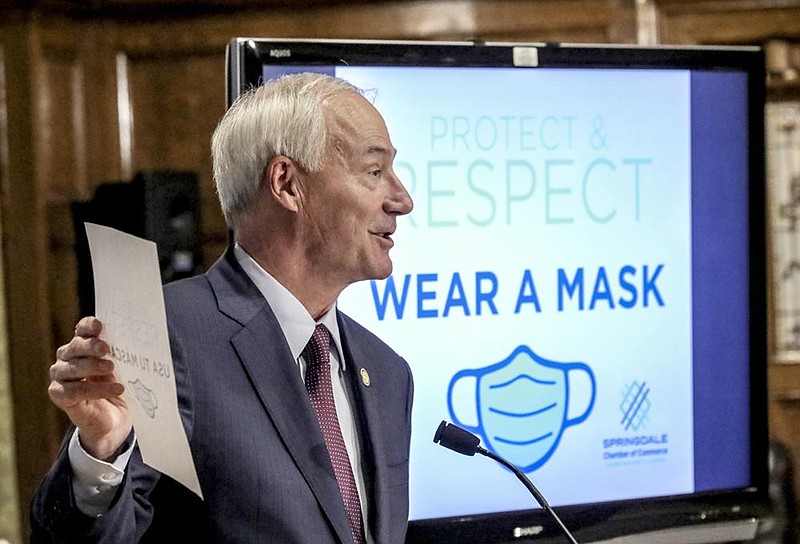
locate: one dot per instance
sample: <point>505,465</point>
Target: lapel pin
<point>365,377</point>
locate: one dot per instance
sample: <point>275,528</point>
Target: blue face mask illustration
<point>522,405</point>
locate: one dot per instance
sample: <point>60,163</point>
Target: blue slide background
<point>573,243</point>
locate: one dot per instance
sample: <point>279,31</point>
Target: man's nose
<point>400,201</point>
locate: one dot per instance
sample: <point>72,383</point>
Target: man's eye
<point>376,173</point>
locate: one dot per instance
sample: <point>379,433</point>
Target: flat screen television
<point>581,283</point>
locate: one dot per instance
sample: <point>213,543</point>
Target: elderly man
<point>298,418</point>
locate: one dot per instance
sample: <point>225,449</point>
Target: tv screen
<point>580,284</point>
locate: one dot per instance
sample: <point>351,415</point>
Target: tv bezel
<point>740,509</point>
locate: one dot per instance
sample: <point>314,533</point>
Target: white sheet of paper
<point>130,303</point>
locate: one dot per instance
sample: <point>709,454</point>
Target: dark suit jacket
<point>260,456</point>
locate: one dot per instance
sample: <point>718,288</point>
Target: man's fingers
<point>82,347</point>
<point>67,394</point>
<point>88,326</point>
<point>79,369</point>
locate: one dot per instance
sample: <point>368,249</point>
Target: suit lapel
<point>268,362</point>
<point>366,405</point>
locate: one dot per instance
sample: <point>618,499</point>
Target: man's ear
<point>282,180</point>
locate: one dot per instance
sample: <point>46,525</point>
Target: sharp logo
<point>533,530</point>
<point>280,53</point>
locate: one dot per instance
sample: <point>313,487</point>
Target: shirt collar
<point>295,321</point>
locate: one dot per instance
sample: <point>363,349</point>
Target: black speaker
<point>159,205</point>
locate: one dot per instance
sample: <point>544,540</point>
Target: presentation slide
<point>542,286</point>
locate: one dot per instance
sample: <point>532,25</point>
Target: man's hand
<point>83,385</point>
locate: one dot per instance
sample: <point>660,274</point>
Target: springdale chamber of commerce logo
<point>635,406</point>
<point>636,445</point>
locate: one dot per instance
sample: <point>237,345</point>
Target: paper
<point>130,303</point>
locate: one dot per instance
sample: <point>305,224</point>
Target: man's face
<point>352,205</point>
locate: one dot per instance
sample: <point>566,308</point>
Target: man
<point>303,167</point>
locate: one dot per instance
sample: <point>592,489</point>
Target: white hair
<point>283,117</point>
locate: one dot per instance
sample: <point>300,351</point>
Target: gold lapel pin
<point>365,377</point>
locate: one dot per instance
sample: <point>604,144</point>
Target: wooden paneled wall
<point>94,96</point>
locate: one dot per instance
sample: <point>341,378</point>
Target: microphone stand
<point>464,442</point>
<point>532,488</point>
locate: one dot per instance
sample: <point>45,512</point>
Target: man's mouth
<point>385,235</point>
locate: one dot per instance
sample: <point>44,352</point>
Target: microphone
<point>464,442</point>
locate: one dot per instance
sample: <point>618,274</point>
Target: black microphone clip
<point>457,439</point>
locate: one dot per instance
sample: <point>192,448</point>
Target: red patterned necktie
<point>320,391</point>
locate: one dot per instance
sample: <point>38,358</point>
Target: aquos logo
<point>522,405</point>
<point>280,53</point>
